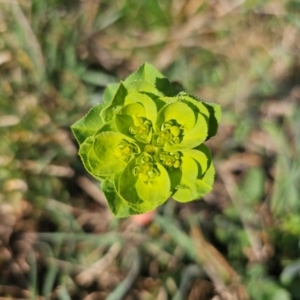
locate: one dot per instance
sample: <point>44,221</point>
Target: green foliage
<point>261,288</point>
<point>146,143</point>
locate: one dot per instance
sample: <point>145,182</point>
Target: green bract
<point>145,143</point>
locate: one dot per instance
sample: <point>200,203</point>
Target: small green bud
<point>175,130</point>
<point>166,125</point>
<point>176,164</point>
<point>150,149</point>
<point>176,140</point>
<point>125,150</point>
<point>133,129</point>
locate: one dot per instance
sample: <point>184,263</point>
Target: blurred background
<point>58,240</point>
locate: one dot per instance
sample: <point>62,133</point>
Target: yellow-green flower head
<point>145,143</point>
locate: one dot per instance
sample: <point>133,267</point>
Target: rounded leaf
<point>136,189</point>
<point>125,208</point>
<point>192,185</point>
<point>105,156</point>
<point>131,120</point>
<point>211,110</point>
<point>157,190</point>
<point>201,156</point>
<point>178,111</point>
<point>147,102</point>
<point>116,203</point>
<point>193,137</point>
<point>83,153</point>
<point>126,184</point>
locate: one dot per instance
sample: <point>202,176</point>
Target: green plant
<point>145,143</point>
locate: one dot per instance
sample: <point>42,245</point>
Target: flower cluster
<point>145,143</point>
